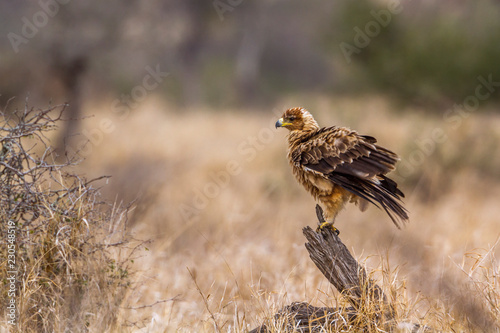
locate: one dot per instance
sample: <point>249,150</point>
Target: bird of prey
<point>337,165</point>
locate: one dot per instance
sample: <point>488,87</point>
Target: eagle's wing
<point>354,162</point>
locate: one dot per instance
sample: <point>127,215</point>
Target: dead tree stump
<point>337,264</point>
<point>368,304</point>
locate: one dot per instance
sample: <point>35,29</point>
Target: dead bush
<point>65,252</point>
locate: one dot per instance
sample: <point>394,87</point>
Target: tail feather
<point>383,194</point>
<point>391,186</point>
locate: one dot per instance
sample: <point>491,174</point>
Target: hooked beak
<point>280,123</point>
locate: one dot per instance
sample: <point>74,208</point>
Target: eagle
<point>338,166</point>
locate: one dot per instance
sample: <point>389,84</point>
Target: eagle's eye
<point>291,118</point>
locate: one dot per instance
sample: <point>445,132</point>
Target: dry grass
<point>230,259</point>
<point>65,261</point>
<point>244,245</point>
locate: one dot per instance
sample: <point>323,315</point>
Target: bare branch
<point>173,299</point>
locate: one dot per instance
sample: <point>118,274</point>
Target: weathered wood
<point>337,264</point>
<point>369,310</point>
<point>303,317</point>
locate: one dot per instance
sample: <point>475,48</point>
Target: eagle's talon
<point>328,225</point>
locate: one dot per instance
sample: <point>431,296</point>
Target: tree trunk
<point>70,73</point>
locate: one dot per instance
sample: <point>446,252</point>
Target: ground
<point>217,197</point>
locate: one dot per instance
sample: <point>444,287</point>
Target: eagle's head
<point>297,119</point>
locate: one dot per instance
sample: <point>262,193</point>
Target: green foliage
<point>430,54</point>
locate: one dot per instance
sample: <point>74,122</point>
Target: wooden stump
<point>303,317</point>
<point>368,304</point>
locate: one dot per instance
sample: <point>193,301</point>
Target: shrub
<point>63,248</point>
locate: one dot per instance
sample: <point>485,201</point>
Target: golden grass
<point>237,256</point>
<point>230,259</point>
<point>65,253</point>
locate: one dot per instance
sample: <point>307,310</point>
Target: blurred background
<point>236,53</point>
<point>176,100</point>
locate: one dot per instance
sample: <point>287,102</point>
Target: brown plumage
<point>337,165</point>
